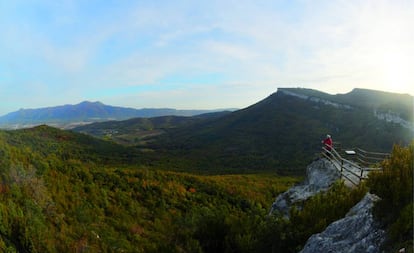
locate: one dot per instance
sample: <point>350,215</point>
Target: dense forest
<point>279,133</point>
<point>68,192</point>
<point>65,192</point>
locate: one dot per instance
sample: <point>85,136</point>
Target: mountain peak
<point>90,103</point>
<point>84,112</point>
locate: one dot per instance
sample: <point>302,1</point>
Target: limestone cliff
<point>320,175</point>
<point>357,232</point>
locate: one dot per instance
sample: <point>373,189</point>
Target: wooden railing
<point>357,165</point>
<point>367,158</point>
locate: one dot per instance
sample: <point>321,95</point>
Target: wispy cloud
<point>143,49</point>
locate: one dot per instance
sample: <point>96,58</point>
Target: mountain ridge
<point>281,133</point>
<point>63,191</point>
<point>374,99</point>
<point>85,112</point>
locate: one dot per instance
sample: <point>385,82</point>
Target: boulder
<point>357,232</point>
<point>320,175</point>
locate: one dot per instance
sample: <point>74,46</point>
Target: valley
<point>281,133</point>
<point>203,183</point>
<point>69,116</point>
<point>206,126</point>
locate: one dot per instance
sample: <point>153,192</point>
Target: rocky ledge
<point>356,233</point>
<point>320,175</point>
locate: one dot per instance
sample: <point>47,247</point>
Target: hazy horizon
<point>163,107</point>
<point>199,55</point>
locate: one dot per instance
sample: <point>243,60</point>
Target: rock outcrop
<point>356,233</point>
<point>320,175</point>
<point>314,99</point>
<point>394,118</point>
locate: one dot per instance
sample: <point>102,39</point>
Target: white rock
<point>356,233</point>
<point>320,175</point>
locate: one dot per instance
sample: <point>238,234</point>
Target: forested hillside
<point>63,191</point>
<point>280,133</point>
<point>138,131</point>
<point>67,192</point>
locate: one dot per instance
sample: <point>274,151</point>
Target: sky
<point>199,54</point>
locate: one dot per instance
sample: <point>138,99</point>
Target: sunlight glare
<point>396,71</point>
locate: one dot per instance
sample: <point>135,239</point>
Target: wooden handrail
<point>366,158</point>
<point>373,153</point>
<point>341,163</point>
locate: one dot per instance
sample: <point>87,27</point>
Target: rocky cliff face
<point>315,99</point>
<point>394,118</point>
<point>356,233</point>
<point>320,175</point>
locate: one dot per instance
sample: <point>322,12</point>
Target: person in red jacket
<point>328,143</point>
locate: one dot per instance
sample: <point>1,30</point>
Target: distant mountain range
<point>282,132</point>
<point>63,191</point>
<point>68,116</point>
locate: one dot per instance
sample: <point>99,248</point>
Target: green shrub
<point>290,235</point>
<point>395,187</point>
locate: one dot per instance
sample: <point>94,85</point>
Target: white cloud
<point>254,45</point>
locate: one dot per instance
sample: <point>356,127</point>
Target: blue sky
<point>199,54</point>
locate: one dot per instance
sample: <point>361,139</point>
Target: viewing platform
<point>354,164</point>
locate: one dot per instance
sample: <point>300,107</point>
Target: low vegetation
<point>66,192</point>
<point>290,235</point>
<point>58,194</point>
<point>395,187</point>
<point>280,133</point>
